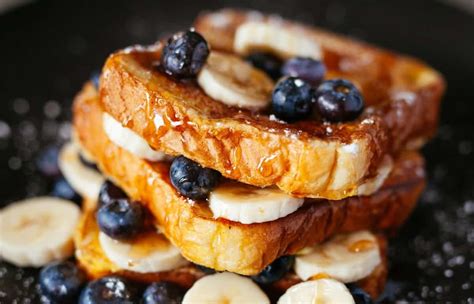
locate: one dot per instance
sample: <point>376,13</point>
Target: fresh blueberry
<point>310,70</point>
<point>266,62</point>
<point>109,192</point>
<point>87,163</point>
<point>61,282</point>
<point>185,54</point>
<point>338,100</point>
<point>109,290</point>
<point>205,269</point>
<point>64,190</point>
<point>292,99</point>
<point>47,162</point>
<point>359,295</point>
<point>95,79</point>
<point>121,219</point>
<point>275,270</point>
<point>163,293</point>
<point>192,180</point>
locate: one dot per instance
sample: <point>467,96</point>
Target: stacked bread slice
<point>317,193</point>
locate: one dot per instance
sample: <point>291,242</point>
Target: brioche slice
<point>231,246</point>
<point>306,158</point>
<point>95,263</point>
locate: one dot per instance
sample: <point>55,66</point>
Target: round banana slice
<point>247,204</point>
<point>150,252</point>
<point>84,180</point>
<point>36,231</point>
<point>227,288</point>
<point>236,83</point>
<point>345,257</point>
<point>129,140</point>
<point>285,42</point>
<point>325,291</point>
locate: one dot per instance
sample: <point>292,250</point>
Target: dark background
<point>49,48</point>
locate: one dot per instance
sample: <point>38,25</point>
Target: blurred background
<point>49,48</point>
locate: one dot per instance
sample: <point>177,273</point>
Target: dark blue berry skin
<point>267,63</point>
<point>205,269</point>
<point>109,192</point>
<point>121,219</point>
<point>64,190</point>
<point>184,54</point>
<point>359,295</point>
<point>310,70</point>
<point>47,162</point>
<point>292,99</point>
<point>275,270</point>
<point>109,290</point>
<point>192,180</point>
<point>163,293</point>
<point>338,100</point>
<point>95,79</point>
<point>61,282</point>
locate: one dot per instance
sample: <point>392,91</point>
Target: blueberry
<point>205,269</point>
<point>61,282</point>
<point>95,79</point>
<point>109,290</point>
<point>47,161</point>
<point>109,192</point>
<point>163,293</point>
<point>121,219</point>
<point>359,295</point>
<point>192,180</point>
<point>338,100</point>
<point>275,270</point>
<point>266,62</point>
<point>184,54</point>
<point>310,70</point>
<point>292,99</point>
<point>64,190</point>
<point>87,163</point>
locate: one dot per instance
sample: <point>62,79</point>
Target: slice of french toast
<point>307,158</point>
<point>230,246</point>
<point>94,261</point>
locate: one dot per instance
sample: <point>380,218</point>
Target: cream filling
<point>129,140</point>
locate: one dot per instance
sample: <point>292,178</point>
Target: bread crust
<point>307,158</point>
<point>230,246</point>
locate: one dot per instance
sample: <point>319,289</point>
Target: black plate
<point>49,48</point>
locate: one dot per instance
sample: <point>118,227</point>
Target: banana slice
<point>226,288</point>
<point>283,41</point>
<point>346,258</point>
<point>236,83</point>
<point>84,180</point>
<point>247,204</point>
<point>325,291</point>
<point>150,252</point>
<point>129,140</point>
<point>36,231</point>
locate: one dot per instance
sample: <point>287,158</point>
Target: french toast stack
<point>250,145</point>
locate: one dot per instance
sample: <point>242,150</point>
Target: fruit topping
<point>292,99</point>
<point>359,295</point>
<point>191,179</point>
<point>338,100</point>
<point>185,54</point>
<point>310,70</point>
<point>266,62</point>
<point>163,293</point>
<point>64,190</point>
<point>121,219</point>
<point>110,192</point>
<point>275,270</point>
<point>61,282</point>
<point>109,290</point>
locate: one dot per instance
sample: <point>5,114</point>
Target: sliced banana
<point>129,140</point>
<point>247,204</point>
<point>150,252</point>
<point>374,184</point>
<point>236,83</point>
<point>283,41</point>
<point>36,231</point>
<point>226,288</point>
<point>85,181</point>
<point>345,257</point>
<point>325,291</point>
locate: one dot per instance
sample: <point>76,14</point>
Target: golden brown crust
<point>307,159</point>
<point>231,246</point>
